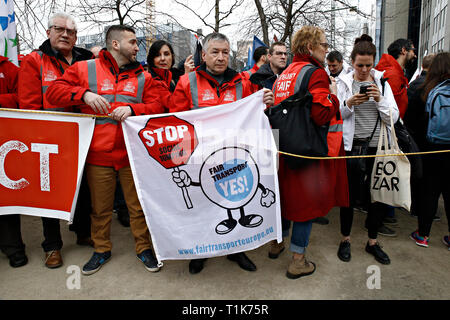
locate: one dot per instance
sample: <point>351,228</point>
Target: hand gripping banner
<point>41,162</point>
<point>206,179</point>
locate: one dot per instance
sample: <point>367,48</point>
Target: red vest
<point>289,82</point>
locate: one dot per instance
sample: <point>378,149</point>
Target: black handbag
<point>298,133</point>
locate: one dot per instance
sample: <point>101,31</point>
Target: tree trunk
<point>216,28</point>
<point>263,19</point>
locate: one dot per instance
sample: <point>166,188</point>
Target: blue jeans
<point>300,234</point>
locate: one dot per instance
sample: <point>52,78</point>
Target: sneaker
<point>275,249</point>
<point>446,241</point>
<point>387,232</point>
<point>390,221</point>
<point>95,263</point>
<point>420,241</point>
<point>300,268</point>
<point>149,260</point>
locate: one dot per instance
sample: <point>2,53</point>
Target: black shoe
<point>196,265</point>
<point>390,221</point>
<point>123,217</point>
<point>242,260</point>
<point>85,241</point>
<point>379,254</point>
<point>387,232</point>
<point>344,251</point>
<point>321,220</point>
<point>18,259</point>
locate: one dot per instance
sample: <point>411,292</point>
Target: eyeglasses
<point>70,32</point>
<point>325,45</point>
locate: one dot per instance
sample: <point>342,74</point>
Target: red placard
<point>40,163</point>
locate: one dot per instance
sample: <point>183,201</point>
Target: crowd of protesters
<point>61,77</point>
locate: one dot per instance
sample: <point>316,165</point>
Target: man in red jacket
<point>114,85</point>
<point>37,71</point>
<point>11,242</point>
<point>212,84</point>
<point>260,58</point>
<point>400,52</point>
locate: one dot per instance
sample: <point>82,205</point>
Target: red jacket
<point>38,70</point>
<point>247,74</point>
<point>395,76</point>
<point>129,86</point>
<point>314,190</point>
<point>207,91</point>
<point>8,83</point>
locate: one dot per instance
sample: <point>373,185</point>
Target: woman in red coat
<point>310,192</point>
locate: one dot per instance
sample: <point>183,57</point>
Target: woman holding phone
<point>363,104</point>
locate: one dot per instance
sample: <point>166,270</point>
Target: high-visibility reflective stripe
<point>336,128</point>
<point>239,91</point>
<point>194,89</point>
<point>141,85</point>
<point>109,97</point>
<point>105,121</point>
<point>92,75</point>
<point>300,77</point>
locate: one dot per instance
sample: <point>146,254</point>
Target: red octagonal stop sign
<point>169,140</point>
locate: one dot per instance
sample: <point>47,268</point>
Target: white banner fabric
<point>222,197</point>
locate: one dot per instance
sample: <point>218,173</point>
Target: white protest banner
<point>41,162</point>
<point>206,179</point>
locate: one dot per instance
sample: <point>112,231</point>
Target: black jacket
<point>264,77</point>
<point>415,118</point>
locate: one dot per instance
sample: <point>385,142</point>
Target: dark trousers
<point>52,235</point>
<point>82,217</point>
<point>359,195</point>
<point>436,181</point>
<point>10,235</point>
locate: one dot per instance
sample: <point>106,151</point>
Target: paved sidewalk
<point>415,272</point>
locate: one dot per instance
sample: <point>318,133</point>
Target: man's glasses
<point>325,45</point>
<point>70,32</point>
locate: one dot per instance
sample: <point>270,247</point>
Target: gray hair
<point>215,36</point>
<point>63,16</point>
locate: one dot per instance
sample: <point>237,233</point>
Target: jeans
<point>300,234</point>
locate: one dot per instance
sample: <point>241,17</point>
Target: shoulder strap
<point>301,85</point>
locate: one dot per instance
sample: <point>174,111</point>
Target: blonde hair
<point>306,35</point>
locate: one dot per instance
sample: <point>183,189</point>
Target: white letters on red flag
<point>206,179</point>
<point>41,162</point>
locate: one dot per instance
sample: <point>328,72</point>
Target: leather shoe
<point>242,260</point>
<point>344,252</point>
<point>53,259</point>
<point>196,265</point>
<point>379,254</point>
<point>18,259</point>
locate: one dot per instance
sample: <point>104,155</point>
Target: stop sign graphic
<point>169,140</point>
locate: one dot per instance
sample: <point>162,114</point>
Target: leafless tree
<point>215,17</point>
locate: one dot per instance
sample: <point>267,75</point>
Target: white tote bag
<point>390,180</point>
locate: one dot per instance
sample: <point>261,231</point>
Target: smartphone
<point>363,89</point>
